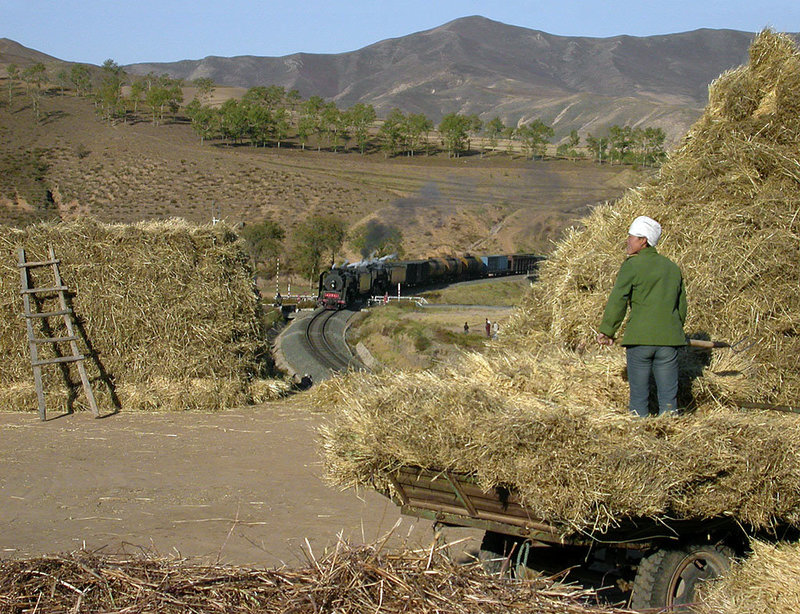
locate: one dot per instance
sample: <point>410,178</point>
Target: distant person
<point>495,330</point>
<point>652,285</point>
<point>488,327</point>
<point>466,328</point>
<point>278,299</point>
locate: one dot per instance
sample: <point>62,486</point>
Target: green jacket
<point>653,287</point>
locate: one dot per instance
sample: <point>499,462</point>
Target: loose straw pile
<point>346,580</point>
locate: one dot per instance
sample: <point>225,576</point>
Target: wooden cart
<point>670,557</point>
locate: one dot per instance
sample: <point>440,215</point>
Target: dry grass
<point>548,417</point>
<point>346,580</point>
<point>166,310</point>
<point>766,582</point>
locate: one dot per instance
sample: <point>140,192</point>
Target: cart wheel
<point>669,578</point>
<point>498,553</point>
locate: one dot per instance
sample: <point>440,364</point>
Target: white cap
<point>646,227</point>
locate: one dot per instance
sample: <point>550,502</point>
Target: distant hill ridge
<point>476,65</point>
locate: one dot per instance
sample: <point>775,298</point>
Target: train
<point>352,284</point>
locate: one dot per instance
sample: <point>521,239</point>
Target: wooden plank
<point>44,290</point>
<point>87,386</point>
<point>461,495</point>
<point>37,371</point>
<point>55,361</point>
<point>48,314</point>
<point>489,505</point>
<point>437,481</point>
<point>31,265</point>
<point>53,339</point>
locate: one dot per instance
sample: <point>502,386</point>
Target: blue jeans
<point>662,362</point>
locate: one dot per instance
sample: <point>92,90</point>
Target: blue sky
<point>168,30</point>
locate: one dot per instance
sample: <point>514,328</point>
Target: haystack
<point>546,414</point>
<point>167,312</point>
<point>767,581</point>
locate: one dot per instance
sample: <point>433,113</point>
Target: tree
<point>205,87</point>
<point>417,126</point>
<point>620,140</point>
<point>493,129</point>
<point>33,76</point>
<point>310,119</point>
<point>315,238</point>
<point>109,94</point>
<point>205,120</point>
<point>137,94</point>
<point>597,146</point>
<point>259,123</point>
<point>233,120</point>
<point>12,70</point>
<point>263,241</point>
<point>568,148</point>
<point>333,126</point>
<point>654,145</point>
<point>454,130</point>
<point>62,78</point>
<point>359,118</point>
<point>280,125</point>
<point>474,128</point>
<point>535,137</point>
<point>377,238</point>
<point>81,79</point>
<point>392,131</point>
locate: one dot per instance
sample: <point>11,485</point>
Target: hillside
<point>475,65</point>
<point>71,164</point>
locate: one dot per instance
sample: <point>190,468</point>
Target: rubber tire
<point>665,578</point>
<point>495,549</point>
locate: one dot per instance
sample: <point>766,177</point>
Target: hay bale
<point>766,581</point>
<point>168,309</point>
<point>547,416</point>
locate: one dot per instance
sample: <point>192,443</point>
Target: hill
<point>476,65</point>
<point>71,164</point>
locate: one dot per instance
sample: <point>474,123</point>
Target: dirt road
<point>241,487</point>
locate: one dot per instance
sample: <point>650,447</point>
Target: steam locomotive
<point>351,284</point>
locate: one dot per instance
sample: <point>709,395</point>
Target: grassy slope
<point>130,172</point>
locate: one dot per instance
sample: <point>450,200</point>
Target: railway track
<point>326,348</point>
<point>315,345</point>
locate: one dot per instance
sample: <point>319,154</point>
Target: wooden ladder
<point>65,312</point>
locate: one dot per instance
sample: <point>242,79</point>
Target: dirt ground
<point>237,487</point>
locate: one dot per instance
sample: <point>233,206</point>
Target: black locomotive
<point>350,284</point>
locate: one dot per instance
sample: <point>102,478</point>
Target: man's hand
<point>603,339</point>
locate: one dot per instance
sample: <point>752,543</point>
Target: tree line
<point>269,116</point>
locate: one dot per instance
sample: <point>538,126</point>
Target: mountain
<point>476,65</point>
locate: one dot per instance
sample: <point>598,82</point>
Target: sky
<point>92,31</point>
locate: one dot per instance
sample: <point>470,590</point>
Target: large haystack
<point>546,413</point>
<point>168,312</point>
<point>728,201</point>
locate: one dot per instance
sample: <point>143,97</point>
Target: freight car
<point>351,284</point>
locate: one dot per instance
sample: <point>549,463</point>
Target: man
<point>652,285</point>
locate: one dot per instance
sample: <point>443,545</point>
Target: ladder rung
<point>54,339</point>
<point>48,314</point>
<point>35,290</point>
<point>35,264</point>
<point>52,361</point>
